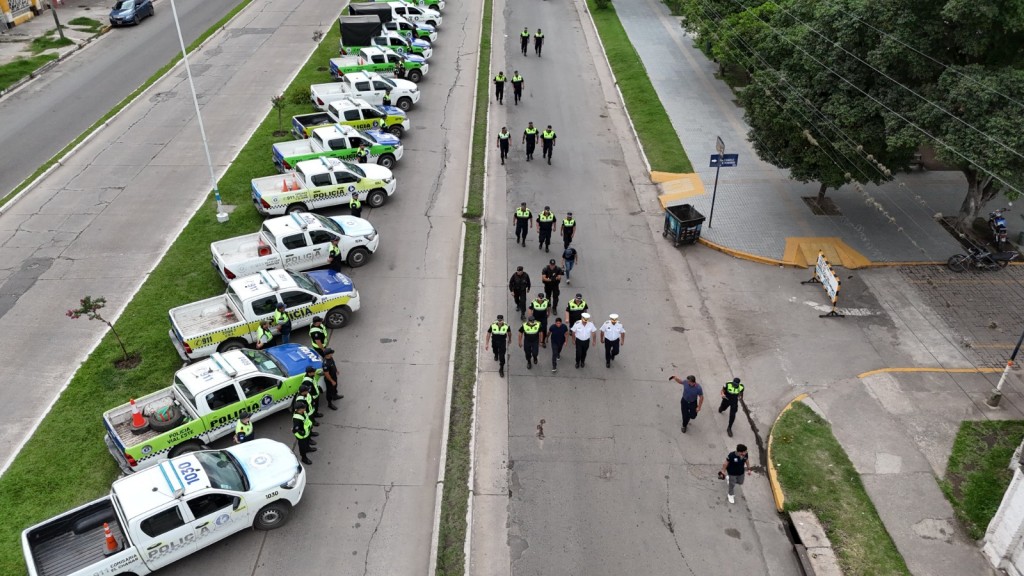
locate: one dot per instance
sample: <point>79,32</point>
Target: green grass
<point>660,141</point>
<point>120,105</point>
<point>815,474</point>
<point>48,42</point>
<point>455,495</point>
<point>86,24</point>
<point>977,475</point>
<point>21,68</point>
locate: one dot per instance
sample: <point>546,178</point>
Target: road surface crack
<point>369,543</point>
<point>666,519</point>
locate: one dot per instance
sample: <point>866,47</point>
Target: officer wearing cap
<point>568,229</point>
<point>305,398</point>
<point>263,334</point>
<point>331,377</point>
<point>530,333</point>
<point>545,225</point>
<point>523,220</point>
<point>575,309</point>
<point>318,335</point>
<point>334,255</point>
<point>540,307</point>
<point>583,334</point>
<point>283,323</point>
<point>355,207</point>
<point>314,394</point>
<point>496,336</point>
<point>732,393</point>
<point>301,428</point>
<point>613,335</point>
<point>519,285</point>
<point>243,428</point>
<point>551,276</point>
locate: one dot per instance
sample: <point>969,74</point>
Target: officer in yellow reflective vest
<point>334,256</point>
<point>574,311</point>
<point>523,220</point>
<point>538,42</point>
<point>547,141</point>
<point>318,335</point>
<point>529,333</point>
<point>283,323</point>
<point>263,335</point>
<point>499,87</point>
<point>355,207</point>
<point>314,394</point>
<point>545,225</point>
<point>301,426</point>
<point>243,428</point>
<point>362,154</point>
<point>530,139</point>
<point>517,87</point>
<point>496,337</point>
<point>568,229</point>
<point>524,40</point>
<point>540,307</point>
<point>504,139</point>
<point>732,393</point>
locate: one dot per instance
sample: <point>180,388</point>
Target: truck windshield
<point>223,470</point>
<point>182,390</point>
<point>264,362</point>
<point>354,169</point>
<point>303,281</point>
<point>330,224</point>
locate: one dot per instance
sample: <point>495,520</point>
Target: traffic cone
<point>295,183</point>
<point>284,185</point>
<point>112,547</point>
<point>139,423</point>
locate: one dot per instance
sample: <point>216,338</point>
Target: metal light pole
<point>221,215</point>
<point>997,394</point>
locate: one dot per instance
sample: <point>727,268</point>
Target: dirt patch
<point>133,360</point>
<point>822,207</point>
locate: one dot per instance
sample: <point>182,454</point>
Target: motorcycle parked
<point>997,225</point>
<point>981,259</point>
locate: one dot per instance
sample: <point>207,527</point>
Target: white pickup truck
<point>298,241</point>
<point>169,511</point>
<point>339,141</point>
<point>229,321</point>
<point>322,183</point>
<point>415,13</point>
<point>369,87</point>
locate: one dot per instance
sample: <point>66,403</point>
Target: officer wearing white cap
<point>613,335</point>
<point>583,333</point>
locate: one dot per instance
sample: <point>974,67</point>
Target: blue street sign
<point>727,160</point>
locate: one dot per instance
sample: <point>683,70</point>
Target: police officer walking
<point>547,141</point>
<point>732,393</point>
<point>524,39</point>
<point>301,426</point>
<point>243,428</point>
<point>284,323</point>
<point>556,335</point>
<point>530,139</point>
<point>503,143</point>
<point>551,276</point>
<point>355,207</point>
<point>545,225</point>
<point>538,42</point>
<point>496,336</point>
<point>517,87</point>
<point>540,306</point>
<point>583,334</point>
<point>530,334</point>
<point>568,229</point>
<point>318,335</point>
<point>331,377</point>
<point>499,87</point>
<point>613,335</point>
<point>575,309</point>
<point>523,219</point>
<point>519,286</point>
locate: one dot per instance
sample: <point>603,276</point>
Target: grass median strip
<point>455,495</point>
<point>65,462</point>
<point>816,475</point>
<point>20,68</point>
<point>658,136</point>
<point>977,474</point>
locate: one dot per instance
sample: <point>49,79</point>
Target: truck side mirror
<point>280,385</point>
<point>236,503</point>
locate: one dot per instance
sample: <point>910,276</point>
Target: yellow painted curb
<point>659,177</point>
<point>982,370</point>
<point>773,479</point>
<point>746,255</point>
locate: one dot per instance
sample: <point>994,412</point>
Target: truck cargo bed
<point>74,541</point>
<point>204,316</point>
<point>120,418</point>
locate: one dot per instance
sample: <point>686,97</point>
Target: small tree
<point>278,103</point>
<point>90,308</point>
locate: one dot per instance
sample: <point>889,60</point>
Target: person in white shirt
<point>613,335</point>
<point>583,332</point>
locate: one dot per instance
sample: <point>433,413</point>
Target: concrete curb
<point>982,370</point>
<point>773,479</point>
<point>745,255</point>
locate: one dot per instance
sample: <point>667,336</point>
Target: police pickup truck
<point>298,241</point>
<point>363,31</point>
<point>203,403</point>
<point>381,61</point>
<point>354,112</point>
<point>167,512</point>
<point>392,21</point>
<point>339,141</point>
<point>369,87</point>
<point>229,322</point>
<point>321,183</point>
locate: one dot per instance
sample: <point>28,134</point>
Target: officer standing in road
<point>400,68</point>
<point>540,306</point>
<point>305,398</point>
<point>547,141</point>
<point>530,334</point>
<point>284,323</point>
<point>334,255</point>
<point>568,229</point>
<point>584,333</point>
<point>556,335</point>
<point>524,40</point>
<point>613,335</point>
<point>263,335</point>
<point>499,87</point>
<point>243,428</point>
<point>519,285</point>
<point>314,394</point>
<point>503,143</point>
<point>496,336</point>
<point>551,276</point>
<point>575,309</point>
<point>545,225</point>
<point>331,377</point>
<point>301,426</point>
<point>318,335</point>
<point>523,219</point>
<point>362,154</point>
<point>538,42</point>
<point>355,207</point>
<point>517,87</point>
<point>386,100</point>
<point>530,139</point>
<point>732,393</point>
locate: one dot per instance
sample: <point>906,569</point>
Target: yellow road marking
<point>773,479</point>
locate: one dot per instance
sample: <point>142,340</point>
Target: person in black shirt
<point>734,467</point>
<point>331,377</point>
<point>497,338</point>
<point>551,276</point>
<point>519,285</point>
<point>556,335</point>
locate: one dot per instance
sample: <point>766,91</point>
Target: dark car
<point>130,12</point>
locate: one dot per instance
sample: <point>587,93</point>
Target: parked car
<point>130,12</point>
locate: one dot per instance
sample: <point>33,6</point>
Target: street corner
<point>773,477</point>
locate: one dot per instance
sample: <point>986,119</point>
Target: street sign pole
<point>714,191</point>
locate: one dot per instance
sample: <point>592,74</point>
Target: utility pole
<point>53,8</point>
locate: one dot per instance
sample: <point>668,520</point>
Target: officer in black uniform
<point>499,87</point>
<point>575,309</point>
<point>496,336</point>
<point>331,378</point>
<point>362,154</point>
<point>243,428</point>
<point>732,393</point>
<point>314,394</point>
<point>318,335</point>
<point>568,229</point>
<point>530,139</point>
<point>545,225</point>
<point>386,100</point>
<point>547,141</point>
<point>517,87</point>
<point>504,138</point>
<point>538,42</point>
<point>523,220</point>
<point>524,40</point>
<point>301,426</point>
<point>355,207</point>
<point>529,333</point>
<point>551,276</point>
<point>540,307</point>
<point>519,286</point>
<point>334,261</point>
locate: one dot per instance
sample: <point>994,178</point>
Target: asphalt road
<point>48,113</point>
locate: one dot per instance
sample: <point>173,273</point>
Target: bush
<point>602,4</point>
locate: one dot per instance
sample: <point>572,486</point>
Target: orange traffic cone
<point>295,183</point>
<point>139,423</point>
<point>284,185</point>
<point>112,547</point>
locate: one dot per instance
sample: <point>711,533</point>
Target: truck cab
<point>361,115</point>
<point>416,13</point>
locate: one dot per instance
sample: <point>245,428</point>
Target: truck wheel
<point>272,516</point>
<point>358,256</point>
<point>337,317</point>
<point>167,419</point>
<point>376,198</point>
<point>186,448</point>
<point>405,104</point>
<point>415,76</point>
<point>297,207</point>
<point>432,23</point>
<point>386,160</point>
<point>232,344</point>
